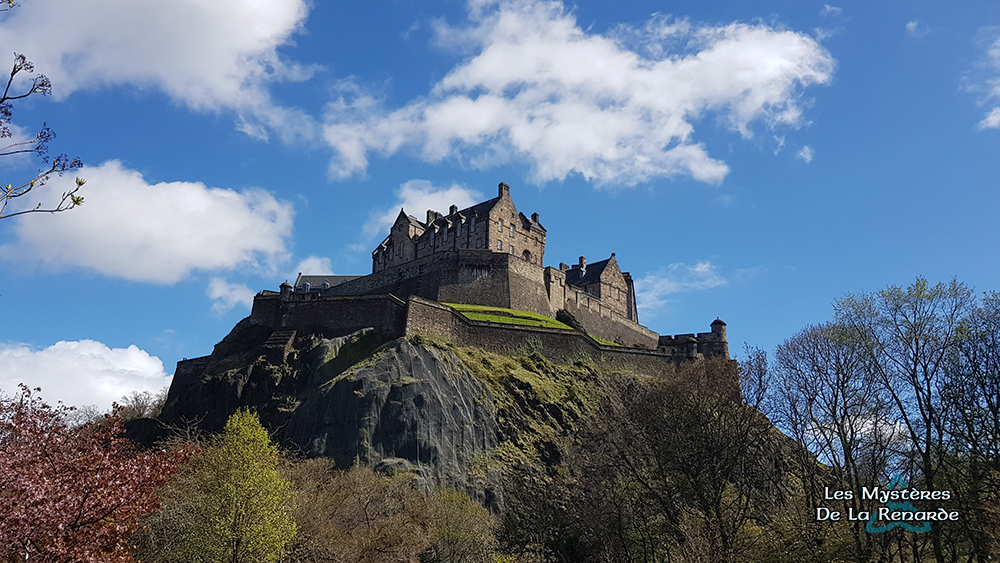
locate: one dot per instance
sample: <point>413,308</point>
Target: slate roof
<point>316,282</point>
<point>591,275</point>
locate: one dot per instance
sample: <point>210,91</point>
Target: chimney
<point>583,266</point>
<point>504,190</point>
<point>534,217</point>
<point>453,209</point>
<point>431,216</point>
<point>563,266</point>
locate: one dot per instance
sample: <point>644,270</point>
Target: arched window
<point>526,255</point>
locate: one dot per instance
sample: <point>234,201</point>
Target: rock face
<point>398,405</point>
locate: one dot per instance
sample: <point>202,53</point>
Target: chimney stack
<point>534,217</point>
<point>504,190</point>
<point>453,209</point>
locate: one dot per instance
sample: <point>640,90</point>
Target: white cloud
<point>158,233</point>
<point>806,154</point>
<point>616,109</point>
<point>313,265</point>
<point>80,373</point>
<point>829,10</point>
<point>916,29</point>
<point>228,295</point>
<point>416,197</point>
<point>208,55</point>
<point>653,289</point>
<point>992,119</point>
<point>990,86</point>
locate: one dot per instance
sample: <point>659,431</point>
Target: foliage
<point>71,493</point>
<point>463,531</point>
<point>143,404</point>
<point>359,516</point>
<point>37,84</point>
<point>903,381</point>
<point>230,504</point>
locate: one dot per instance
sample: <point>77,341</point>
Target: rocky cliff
<point>451,415</point>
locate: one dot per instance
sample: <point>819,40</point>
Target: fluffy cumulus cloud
<point>208,55</point>
<point>225,295</point>
<point>132,229</point>
<point>653,290</point>
<point>81,373</point>
<point>616,108</point>
<point>416,197</point>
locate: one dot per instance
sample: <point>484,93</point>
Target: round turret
<point>719,328</point>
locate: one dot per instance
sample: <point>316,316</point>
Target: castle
<point>487,254</point>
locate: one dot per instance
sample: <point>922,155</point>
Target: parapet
<point>703,344</point>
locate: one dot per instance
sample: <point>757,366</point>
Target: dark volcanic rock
<point>398,406</point>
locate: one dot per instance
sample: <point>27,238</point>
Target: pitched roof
<point>592,274</point>
<point>413,221</point>
<point>480,209</point>
<point>316,282</point>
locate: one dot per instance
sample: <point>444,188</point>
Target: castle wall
<point>559,346</point>
<point>333,315</point>
<point>606,322</point>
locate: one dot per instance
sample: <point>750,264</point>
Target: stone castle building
<point>489,254</point>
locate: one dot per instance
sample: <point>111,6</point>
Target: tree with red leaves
<point>72,493</point>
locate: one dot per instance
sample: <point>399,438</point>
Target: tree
<point>19,88</point>
<point>908,337</point>
<point>230,504</point>
<point>685,467</point>
<point>836,410</point>
<point>71,493</point>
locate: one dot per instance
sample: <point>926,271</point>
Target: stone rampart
<point>557,345</point>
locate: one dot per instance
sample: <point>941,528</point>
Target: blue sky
<point>751,160</point>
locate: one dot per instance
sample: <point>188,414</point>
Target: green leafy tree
<point>231,505</point>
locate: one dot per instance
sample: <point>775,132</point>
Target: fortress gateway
<point>488,254</point>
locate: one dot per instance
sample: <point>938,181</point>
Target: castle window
<point>526,255</point>
<point>512,249</point>
<point>512,230</point>
<point>500,245</point>
<point>479,243</point>
<point>472,227</point>
<point>500,226</point>
<point>458,228</point>
<point>446,233</point>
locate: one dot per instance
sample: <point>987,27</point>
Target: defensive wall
<point>392,317</point>
<point>482,277</point>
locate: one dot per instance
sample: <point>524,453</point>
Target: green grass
<point>485,313</point>
<point>604,341</point>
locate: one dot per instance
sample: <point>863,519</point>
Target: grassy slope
<point>506,316</point>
